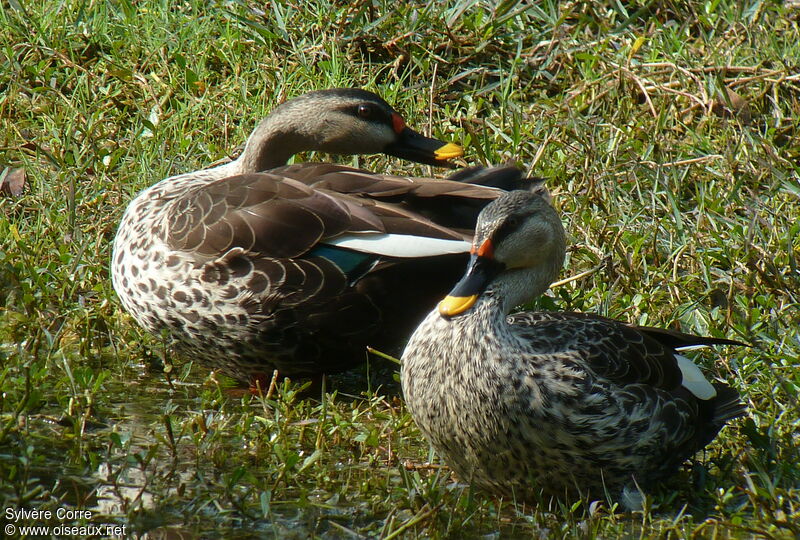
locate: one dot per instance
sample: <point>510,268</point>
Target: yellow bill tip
<point>449,151</point>
<point>453,305</point>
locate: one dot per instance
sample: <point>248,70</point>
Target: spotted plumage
<point>553,404</point>
<point>256,265</point>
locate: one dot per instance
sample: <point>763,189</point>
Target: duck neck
<point>272,143</point>
<point>509,290</point>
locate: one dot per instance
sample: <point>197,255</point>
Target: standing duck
<point>553,404</point>
<point>255,265</point>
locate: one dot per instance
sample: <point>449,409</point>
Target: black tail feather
<point>727,405</point>
<point>677,339</point>
<point>715,413</point>
<point>507,178</point>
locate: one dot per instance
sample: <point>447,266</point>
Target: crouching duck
<point>553,404</point>
<point>254,265</point>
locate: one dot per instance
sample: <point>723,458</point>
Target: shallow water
<point>149,458</point>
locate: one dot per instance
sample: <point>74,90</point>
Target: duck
<point>255,265</point>
<point>540,405</point>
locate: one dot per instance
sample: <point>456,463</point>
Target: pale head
<point>524,230</point>
<point>339,121</point>
<point>518,250</point>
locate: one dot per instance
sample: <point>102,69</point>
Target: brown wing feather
<point>449,204</point>
<point>263,213</point>
<point>278,215</point>
<point>257,212</point>
<point>675,338</point>
<point>342,179</point>
<point>613,350</point>
<point>399,219</point>
<point>667,337</point>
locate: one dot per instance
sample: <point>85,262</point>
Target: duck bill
<point>414,146</point>
<point>480,272</point>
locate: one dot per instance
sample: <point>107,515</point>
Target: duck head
<point>518,250</point>
<point>341,121</point>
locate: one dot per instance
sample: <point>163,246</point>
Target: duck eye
<point>364,111</point>
<point>506,228</point>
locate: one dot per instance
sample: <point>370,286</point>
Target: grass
<point>668,134</point>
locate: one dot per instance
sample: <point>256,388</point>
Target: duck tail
<point>507,178</point>
<point>715,413</point>
<point>727,405</point>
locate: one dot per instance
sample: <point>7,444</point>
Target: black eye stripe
<point>376,113</point>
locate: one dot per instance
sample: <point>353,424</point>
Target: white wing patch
<point>691,347</point>
<point>693,379</point>
<point>399,245</point>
